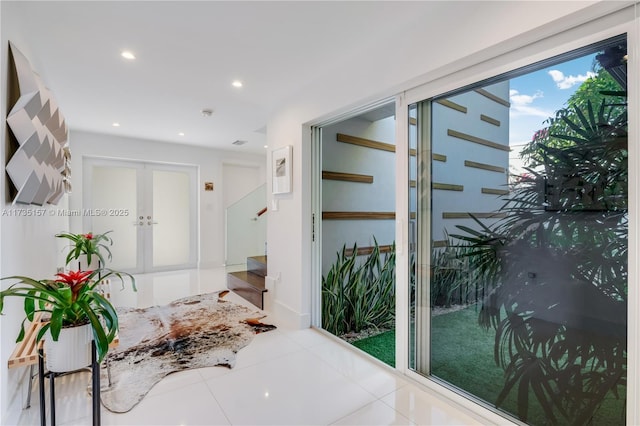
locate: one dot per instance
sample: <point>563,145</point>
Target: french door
<point>149,208</point>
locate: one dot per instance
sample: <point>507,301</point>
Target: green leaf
<point>56,324</point>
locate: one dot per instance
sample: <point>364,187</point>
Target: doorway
<point>356,207</point>
<point>149,209</point>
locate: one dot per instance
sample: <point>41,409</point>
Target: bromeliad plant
<point>90,245</point>
<point>71,299</point>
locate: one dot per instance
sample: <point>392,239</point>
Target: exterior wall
<point>468,196</point>
<point>353,196</point>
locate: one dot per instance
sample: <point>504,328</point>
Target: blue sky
<point>537,96</point>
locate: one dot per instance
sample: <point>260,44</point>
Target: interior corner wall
<point>28,245</point>
<point>209,162</point>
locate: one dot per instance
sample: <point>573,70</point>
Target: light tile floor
<point>283,377</point>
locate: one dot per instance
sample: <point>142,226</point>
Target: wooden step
<point>257,265</point>
<point>247,285</point>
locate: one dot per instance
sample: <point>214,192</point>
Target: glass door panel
<point>114,200</point>
<point>520,295</point>
<point>171,219</point>
<point>356,230</point>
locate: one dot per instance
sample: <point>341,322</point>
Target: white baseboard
<point>211,264</point>
<point>288,317</point>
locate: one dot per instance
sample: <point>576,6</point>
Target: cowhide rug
<point>194,332</point>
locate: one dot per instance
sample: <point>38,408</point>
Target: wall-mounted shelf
<point>483,166</point>
<point>475,139</point>
<point>367,143</point>
<point>450,104</point>
<point>364,251</point>
<point>495,191</point>
<point>358,215</point>
<point>446,186</point>
<point>467,215</point>
<point>347,177</point>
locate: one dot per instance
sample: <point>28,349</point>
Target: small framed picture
<point>281,170</point>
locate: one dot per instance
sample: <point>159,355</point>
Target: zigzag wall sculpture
<point>39,169</point>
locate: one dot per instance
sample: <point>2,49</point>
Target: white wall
<point>239,180</point>
<point>210,164</point>
<point>27,246</point>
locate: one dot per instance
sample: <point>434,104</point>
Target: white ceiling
<point>188,53</point>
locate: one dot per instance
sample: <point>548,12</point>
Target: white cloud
<point>520,100</point>
<point>529,111</point>
<point>566,82</point>
<point>521,105</point>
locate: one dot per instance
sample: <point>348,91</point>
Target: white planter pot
<point>83,265</point>
<point>71,352</point>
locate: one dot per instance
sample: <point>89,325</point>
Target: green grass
<point>459,346</point>
<point>381,346</point>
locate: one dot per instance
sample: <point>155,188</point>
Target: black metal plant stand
<point>95,388</point>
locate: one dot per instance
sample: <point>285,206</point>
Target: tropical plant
<point>71,299</point>
<point>602,87</point>
<point>359,293</point>
<point>455,277</point>
<point>89,245</point>
<point>558,261</point>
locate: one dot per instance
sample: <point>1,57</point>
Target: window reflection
<point>527,254</point>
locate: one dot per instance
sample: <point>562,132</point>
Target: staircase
<point>250,284</point>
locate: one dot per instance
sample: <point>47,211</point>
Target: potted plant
<point>70,301</point>
<point>88,246</point>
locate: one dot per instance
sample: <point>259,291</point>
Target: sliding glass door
<point>519,219</point>
<point>356,231</point>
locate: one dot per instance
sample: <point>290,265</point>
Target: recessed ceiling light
<point>116,124</point>
<point>266,146</point>
<point>128,55</point>
<point>236,83</point>
<point>181,134</point>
